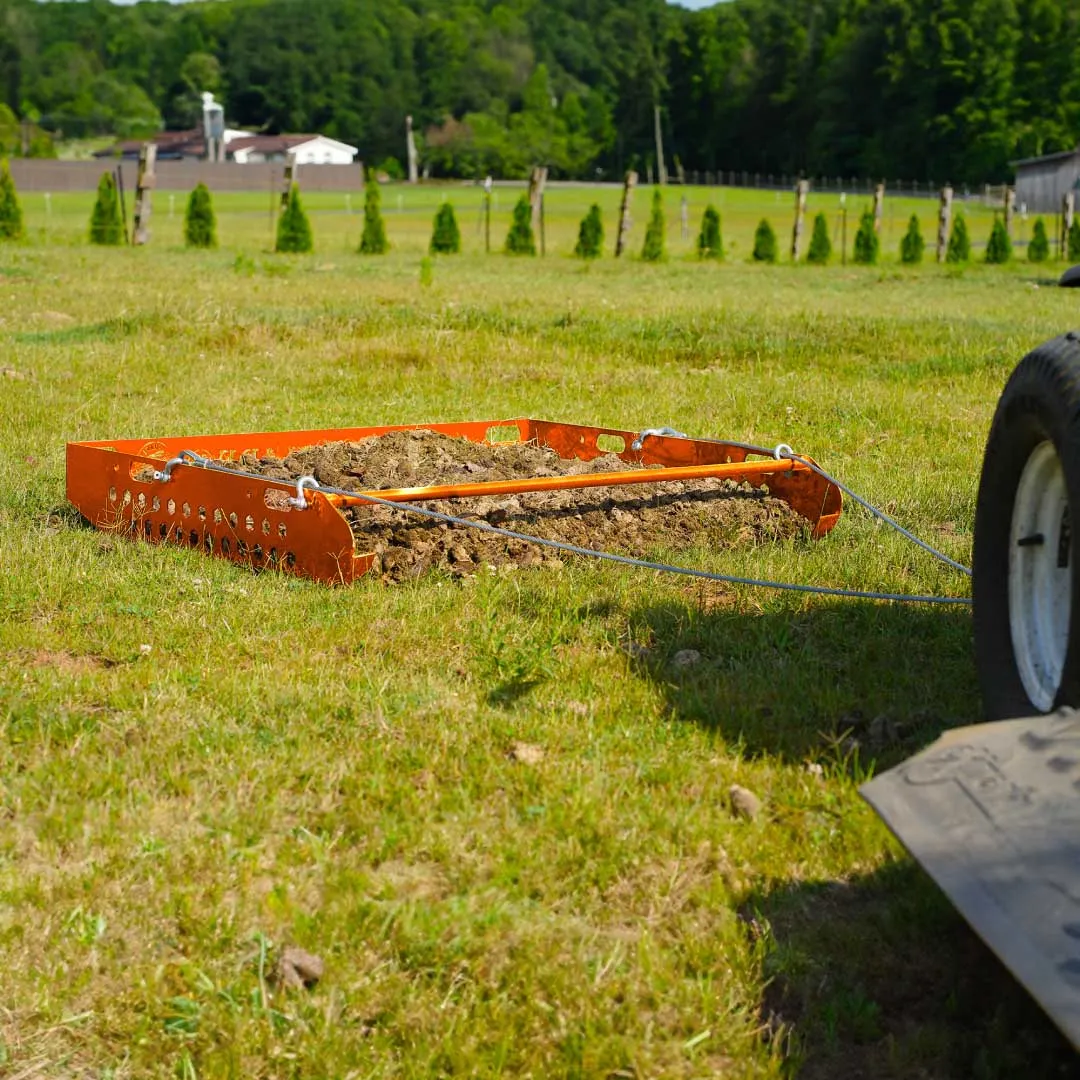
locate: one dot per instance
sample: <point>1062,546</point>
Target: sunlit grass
<point>291,764</point>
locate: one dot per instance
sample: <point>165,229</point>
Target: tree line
<point>943,90</point>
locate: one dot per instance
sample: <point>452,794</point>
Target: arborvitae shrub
<point>519,240</point>
<point>294,229</point>
<point>1073,241</point>
<point>764,243</point>
<point>653,248</point>
<point>912,246</point>
<point>1039,248</point>
<point>446,236</point>
<point>200,225</point>
<point>590,241</point>
<point>820,245</point>
<point>710,245</point>
<point>959,249</point>
<point>999,246</point>
<point>105,224</point>
<point>374,241</point>
<point>866,240</point>
<point>11,222</point>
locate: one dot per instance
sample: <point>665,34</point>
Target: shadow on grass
<point>880,978</point>
<point>792,685</point>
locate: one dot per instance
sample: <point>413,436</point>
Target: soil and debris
<point>636,520</point>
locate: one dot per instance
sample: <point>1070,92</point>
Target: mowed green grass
<point>200,766</point>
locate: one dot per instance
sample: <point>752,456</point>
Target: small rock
<point>11,373</point>
<point>145,650</point>
<point>298,968</point>
<point>526,753</point>
<point>686,658</point>
<point>458,554</point>
<point>815,769</point>
<point>473,467</point>
<point>744,802</point>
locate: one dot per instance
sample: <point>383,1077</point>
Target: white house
<point>306,149</point>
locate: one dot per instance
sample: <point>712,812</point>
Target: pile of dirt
<point>631,520</point>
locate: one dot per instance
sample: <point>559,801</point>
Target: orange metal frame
<point>247,518</point>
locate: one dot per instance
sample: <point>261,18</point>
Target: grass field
<point>200,767</point>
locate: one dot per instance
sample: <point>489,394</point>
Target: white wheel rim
<point>1040,575</point>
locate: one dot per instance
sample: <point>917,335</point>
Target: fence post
<point>684,217</point>
<point>801,189</point>
<point>1068,209</point>
<point>879,206</point>
<point>1010,209</point>
<point>288,178</point>
<point>944,223</point>
<point>537,180</point>
<point>410,150</point>
<point>624,213</point>
<point>144,185</point>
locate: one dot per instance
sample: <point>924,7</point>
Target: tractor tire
<point>1071,278</point>
<point>1025,595</point>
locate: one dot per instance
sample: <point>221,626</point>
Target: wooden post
<point>879,206</point>
<point>1010,208</point>
<point>661,168</point>
<point>801,190</point>
<point>1068,210</point>
<point>487,215</point>
<point>944,223</point>
<point>288,178</point>
<point>624,213</point>
<point>684,218</point>
<point>537,180</point>
<point>410,150</point>
<point>843,228</point>
<point>144,186</point>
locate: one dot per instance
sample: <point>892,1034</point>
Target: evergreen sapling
<point>519,240</point>
<point>959,249</point>
<point>912,245</point>
<point>590,241</point>
<point>764,243</point>
<point>1039,248</point>
<point>200,224</point>
<point>999,246</point>
<point>820,245</point>
<point>653,248</point>
<point>710,245</point>
<point>866,240</point>
<point>11,221</point>
<point>446,236</point>
<point>294,229</point>
<point>374,241</point>
<point>106,227</point>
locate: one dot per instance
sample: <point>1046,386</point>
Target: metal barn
<point>1042,181</point>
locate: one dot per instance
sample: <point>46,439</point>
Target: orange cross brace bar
<point>739,471</point>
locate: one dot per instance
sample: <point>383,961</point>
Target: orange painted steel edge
<point>247,518</point>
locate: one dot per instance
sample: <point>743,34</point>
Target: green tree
<point>445,236</point>
<point>710,244</point>
<point>764,243</point>
<point>1073,241</point>
<point>866,240</point>
<point>374,241</point>
<point>912,245</point>
<point>294,229</point>
<point>1039,249</point>
<point>519,240</point>
<point>820,245</point>
<point>106,226</point>
<point>590,242</point>
<point>959,249</point>
<point>653,248</point>
<point>11,220</point>
<point>200,224</point>
<point>999,246</point>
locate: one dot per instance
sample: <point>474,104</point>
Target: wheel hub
<point>1040,575</point>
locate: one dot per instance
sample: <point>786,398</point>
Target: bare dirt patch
<point>632,520</point>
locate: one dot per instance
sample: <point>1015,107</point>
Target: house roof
<point>1060,156</point>
<point>280,144</point>
<point>170,144</point>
